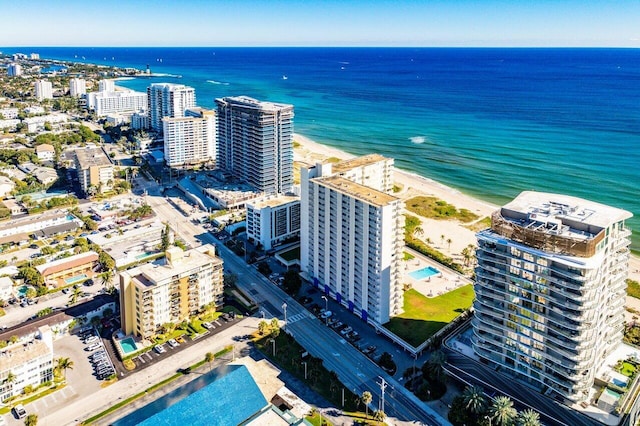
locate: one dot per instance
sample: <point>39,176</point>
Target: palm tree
<point>62,364</point>
<point>449,241</point>
<point>502,411</point>
<point>31,420</point>
<point>434,367</point>
<point>428,241</point>
<point>209,357</point>
<point>75,295</point>
<point>442,240</point>
<point>11,378</point>
<point>366,399</point>
<point>473,398</point>
<point>528,418</point>
<point>379,415</point>
<point>418,231</point>
<point>263,326</point>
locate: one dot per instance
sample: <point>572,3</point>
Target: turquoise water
<point>143,255</point>
<point>223,397</point>
<point>22,291</point>
<point>423,273</point>
<point>128,345</point>
<point>76,279</point>
<point>489,122</point>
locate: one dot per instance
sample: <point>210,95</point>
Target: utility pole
<point>383,385</point>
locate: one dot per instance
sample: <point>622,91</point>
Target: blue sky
<point>320,23</point>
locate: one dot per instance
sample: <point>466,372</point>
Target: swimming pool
<point>146,254</point>
<point>220,389</point>
<point>22,291</point>
<point>423,273</point>
<point>128,345</point>
<point>76,279</point>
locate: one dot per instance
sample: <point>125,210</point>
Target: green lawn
<point>433,208</point>
<point>290,255</point>
<point>424,316</point>
<point>633,289</point>
<point>407,256</point>
<point>628,369</point>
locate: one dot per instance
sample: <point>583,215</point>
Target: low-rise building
<point>10,125</point>
<point>133,245</point>
<point>20,229</point>
<point>35,124</point>
<point>69,270</point>
<point>140,120</point>
<point>29,361</point>
<point>273,220</point>
<point>105,103</point>
<point>9,113</point>
<point>170,290</point>
<point>44,175</point>
<point>6,186</point>
<point>45,152</point>
<point>6,288</point>
<point>95,170</point>
<point>34,109</point>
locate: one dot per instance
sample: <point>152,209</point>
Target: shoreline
<point>310,151</point>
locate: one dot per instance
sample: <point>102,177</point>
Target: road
<point>354,369</point>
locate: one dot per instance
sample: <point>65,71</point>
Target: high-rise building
<point>351,236</point>
<point>77,87</point>
<point>14,70</point>
<point>44,90</point>
<point>190,140</point>
<point>106,85</point>
<point>105,103</point>
<point>255,142</point>
<point>170,290</point>
<point>168,100</point>
<point>550,290</point>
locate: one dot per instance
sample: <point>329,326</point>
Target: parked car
<point>326,314</point>
<point>93,347</point>
<point>19,411</point>
<point>91,340</point>
<point>207,325</point>
<point>159,349</point>
<point>173,343</point>
<point>346,331</point>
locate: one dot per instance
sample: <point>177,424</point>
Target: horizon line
<point>320,47</point>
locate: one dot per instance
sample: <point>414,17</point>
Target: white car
<point>91,340</point>
<point>346,331</point>
<point>326,314</point>
<point>173,343</point>
<point>159,349</point>
<point>19,411</point>
<point>207,325</point>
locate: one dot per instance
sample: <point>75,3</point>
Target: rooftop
<point>346,165</point>
<point>274,201</point>
<point>91,157</point>
<point>31,219</point>
<point>361,192</point>
<point>252,103</point>
<point>18,354</point>
<point>152,273</point>
<point>67,263</point>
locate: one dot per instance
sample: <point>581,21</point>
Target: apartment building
<point>14,70</point>
<point>16,230</point>
<point>105,103</point>
<point>43,89</point>
<point>45,152</point>
<point>190,140</point>
<point>95,170</point>
<point>77,87</point>
<point>168,100</point>
<point>273,220</point>
<point>29,361</point>
<point>170,290</point>
<point>550,290</point>
<point>255,142</point>
<point>351,239</point>
<point>107,85</point>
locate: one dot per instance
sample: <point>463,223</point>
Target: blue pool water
<point>143,255</point>
<point>423,273</point>
<point>76,279</point>
<point>230,394</point>
<point>22,291</point>
<point>619,383</point>
<point>128,345</point>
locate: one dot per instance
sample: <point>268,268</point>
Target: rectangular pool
<point>76,279</point>
<point>423,273</point>
<point>128,345</point>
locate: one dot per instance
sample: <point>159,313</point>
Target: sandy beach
<point>309,152</point>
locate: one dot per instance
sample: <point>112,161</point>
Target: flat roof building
<point>550,290</point>
<point>170,290</point>
<point>273,220</point>
<point>351,238</point>
<point>255,142</point>
<point>77,87</point>
<point>168,100</point>
<point>95,170</point>
<point>191,140</point>
<point>43,90</point>
<point>106,103</point>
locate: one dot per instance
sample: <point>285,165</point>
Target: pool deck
<point>435,285</point>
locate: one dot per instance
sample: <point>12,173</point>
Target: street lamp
<point>284,306</point>
<point>488,418</point>
<point>262,313</point>
<point>326,308</point>
<point>305,369</point>
<point>273,343</point>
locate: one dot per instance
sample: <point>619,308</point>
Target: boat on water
<point>284,77</point>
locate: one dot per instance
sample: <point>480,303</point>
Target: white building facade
<point>168,100</point>
<point>95,170</point>
<point>351,243</point>
<point>14,70</point>
<point>43,89</point>
<point>189,141</point>
<point>107,85</point>
<point>255,142</point>
<point>77,87</point>
<point>105,103</point>
<point>550,290</point>
<point>274,220</point>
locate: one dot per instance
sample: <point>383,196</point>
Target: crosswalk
<point>297,317</point>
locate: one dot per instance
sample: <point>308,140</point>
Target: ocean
<point>488,122</point>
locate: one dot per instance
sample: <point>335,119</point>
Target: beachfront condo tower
<point>550,290</point>
<point>191,140</point>
<point>168,100</point>
<point>255,142</point>
<point>43,89</point>
<point>77,87</point>
<point>170,290</point>
<point>351,235</point>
